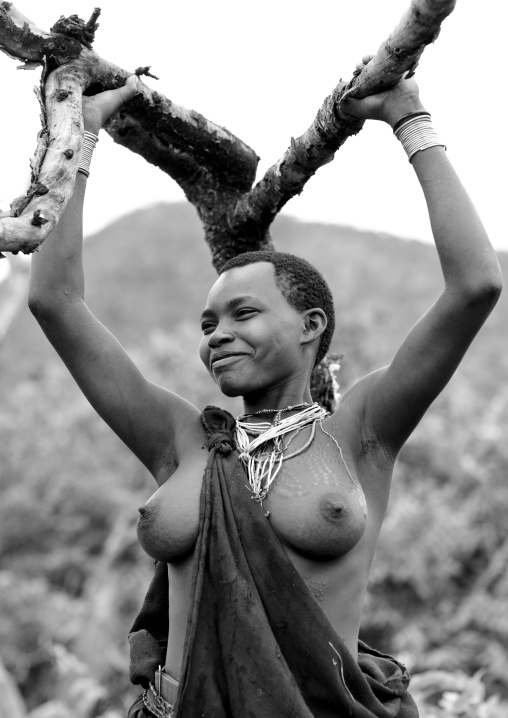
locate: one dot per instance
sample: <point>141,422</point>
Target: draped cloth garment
<point>257,644</point>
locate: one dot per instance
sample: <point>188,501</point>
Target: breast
<point>316,504</point>
<point>168,523</point>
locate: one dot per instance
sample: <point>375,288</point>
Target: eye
<point>207,327</point>
<point>245,313</point>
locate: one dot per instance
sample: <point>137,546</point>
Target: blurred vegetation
<point>72,575</point>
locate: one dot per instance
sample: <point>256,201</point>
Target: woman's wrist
<point>395,114</point>
<point>90,140</point>
<point>90,126</point>
<point>416,133</point>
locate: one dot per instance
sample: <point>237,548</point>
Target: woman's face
<point>251,335</point>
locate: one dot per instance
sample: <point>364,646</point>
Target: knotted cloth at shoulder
<point>257,642</point>
<point>219,428</point>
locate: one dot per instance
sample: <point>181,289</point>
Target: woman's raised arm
<point>156,424</point>
<point>395,398</point>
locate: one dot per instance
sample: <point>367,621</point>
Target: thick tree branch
<point>215,169</point>
<point>202,157</point>
<point>315,148</point>
<point>54,167</point>
<point>398,55</point>
<point>19,37</point>
<point>179,132</point>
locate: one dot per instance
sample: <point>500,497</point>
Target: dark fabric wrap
<point>257,645</point>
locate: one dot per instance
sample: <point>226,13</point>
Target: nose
<point>219,337</point>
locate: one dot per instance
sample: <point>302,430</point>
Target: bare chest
<point>315,505</point>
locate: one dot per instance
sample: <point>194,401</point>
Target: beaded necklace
<point>264,464</point>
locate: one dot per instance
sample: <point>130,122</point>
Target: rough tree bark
<point>215,169</point>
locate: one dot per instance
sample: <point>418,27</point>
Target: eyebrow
<point>231,305</point>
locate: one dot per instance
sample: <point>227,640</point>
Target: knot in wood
<point>38,219</point>
<point>72,25</point>
<point>76,28</point>
<point>37,190</point>
<point>62,48</point>
<point>61,95</point>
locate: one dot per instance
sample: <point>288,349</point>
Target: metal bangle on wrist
<point>416,132</point>
<point>89,142</point>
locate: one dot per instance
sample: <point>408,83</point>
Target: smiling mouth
<point>224,358</point>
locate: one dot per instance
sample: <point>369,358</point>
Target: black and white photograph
<point>253,353</point>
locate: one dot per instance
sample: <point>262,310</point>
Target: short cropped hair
<point>301,285</point>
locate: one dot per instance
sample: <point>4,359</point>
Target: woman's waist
<point>339,588</point>
<point>179,592</point>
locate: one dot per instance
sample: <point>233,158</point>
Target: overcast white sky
<point>262,69</point>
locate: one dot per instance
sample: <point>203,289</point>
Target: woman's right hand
<point>98,108</point>
<point>388,106</point>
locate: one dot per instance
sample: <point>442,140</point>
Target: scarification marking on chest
<point>317,469</point>
<point>317,505</point>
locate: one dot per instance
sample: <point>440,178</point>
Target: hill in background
<point>151,270</point>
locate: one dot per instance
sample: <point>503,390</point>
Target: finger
<point>133,81</point>
<point>351,106</point>
<point>120,94</point>
<point>131,88</point>
<point>366,59</point>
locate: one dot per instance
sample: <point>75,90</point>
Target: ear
<point>315,322</point>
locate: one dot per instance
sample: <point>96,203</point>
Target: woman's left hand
<point>388,106</point>
<point>98,108</point>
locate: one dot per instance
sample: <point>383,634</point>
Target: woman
<point>256,605</point>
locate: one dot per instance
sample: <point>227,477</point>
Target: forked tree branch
<point>215,169</point>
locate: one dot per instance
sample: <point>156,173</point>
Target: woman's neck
<point>275,400</point>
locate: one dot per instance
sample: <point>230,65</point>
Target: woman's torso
<point>320,507</point>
